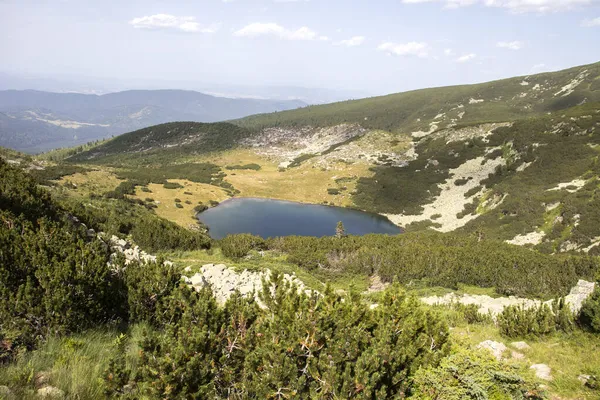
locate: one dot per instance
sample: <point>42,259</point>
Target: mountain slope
<point>426,110</point>
<point>33,121</point>
<point>514,160</point>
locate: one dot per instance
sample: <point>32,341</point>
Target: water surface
<point>269,218</point>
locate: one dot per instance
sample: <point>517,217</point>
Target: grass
<point>164,198</point>
<point>568,355</point>
<point>86,183</point>
<point>275,262</point>
<point>74,364</point>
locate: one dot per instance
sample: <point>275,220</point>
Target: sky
<point>372,46</point>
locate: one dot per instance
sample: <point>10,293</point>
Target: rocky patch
<point>581,291</point>
<point>225,281</point>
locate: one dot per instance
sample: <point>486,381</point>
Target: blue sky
<point>374,46</point>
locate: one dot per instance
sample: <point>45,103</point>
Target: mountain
<point>35,121</point>
<point>512,160</point>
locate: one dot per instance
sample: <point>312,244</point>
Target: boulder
<point>50,392</point>
<point>496,348</point>
<point>542,371</point>
<point>520,345</point>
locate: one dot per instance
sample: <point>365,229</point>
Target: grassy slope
<point>401,111</point>
<point>543,115</point>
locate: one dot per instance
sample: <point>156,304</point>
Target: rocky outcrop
<point>225,281</point>
<point>131,252</point>
<point>495,305</point>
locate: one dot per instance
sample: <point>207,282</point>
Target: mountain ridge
<point>37,120</point>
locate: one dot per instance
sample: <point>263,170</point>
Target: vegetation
<point>589,316</point>
<point>441,260</point>
<point>472,375</point>
<point>253,166</point>
<point>517,321</point>
<point>238,246</point>
<point>403,111</point>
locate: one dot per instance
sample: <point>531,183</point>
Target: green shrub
<point>297,345</point>
<point>238,246</point>
<point>178,205</point>
<point>156,234</point>
<point>124,188</point>
<point>441,260</point>
<point>200,207</point>
<point>333,191</point>
<point>252,166</point>
<point>468,374</point>
<point>518,321</point>
<point>172,185</point>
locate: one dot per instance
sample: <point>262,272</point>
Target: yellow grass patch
<point>98,182</point>
<point>165,199</point>
<point>307,183</point>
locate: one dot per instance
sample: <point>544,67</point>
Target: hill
<point>35,121</point>
<point>470,158</point>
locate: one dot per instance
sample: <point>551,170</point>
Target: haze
<point>359,47</point>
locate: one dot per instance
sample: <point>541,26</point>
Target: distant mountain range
<point>35,121</point>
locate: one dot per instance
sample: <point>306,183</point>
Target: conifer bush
<point>298,346</point>
<point>473,374</point>
<point>238,246</point>
<point>519,321</point>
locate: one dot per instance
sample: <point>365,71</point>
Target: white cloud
<point>418,49</point>
<point>515,6</point>
<point>466,57</point>
<point>352,42</point>
<point>271,29</point>
<point>588,23</point>
<point>448,52</point>
<point>514,45</point>
<point>167,21</point>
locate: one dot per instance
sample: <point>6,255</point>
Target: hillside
<point>36,121</point>
<point>474,159</point>
<point>117,322</point>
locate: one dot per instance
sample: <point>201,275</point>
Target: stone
<point>584,378</point>
<point>520,345</point>
<point>187,269</point>
<point>542,371</point>
<point>42,379</point>
<point>6,393</point>
<point>516,355</point>
<point>496,348</point>
<point>50,392</point>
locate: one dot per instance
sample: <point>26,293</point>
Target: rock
<point>581,291</point>
<point>496,348</point>
<point>516,355</point>
<point>50,392</point>
<point>542,371</point>
<point>42,379</point>
<point>187,269</point>
<point>584,378</point>
<point>520,345</point>
<point>6,393</point>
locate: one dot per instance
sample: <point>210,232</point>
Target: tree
<point>340,231</point>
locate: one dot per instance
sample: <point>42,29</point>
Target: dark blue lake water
<point>268,218</point>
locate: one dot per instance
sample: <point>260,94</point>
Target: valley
<point>496,187</point>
